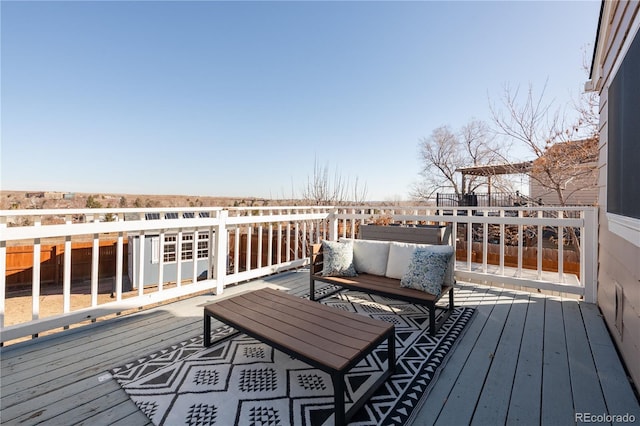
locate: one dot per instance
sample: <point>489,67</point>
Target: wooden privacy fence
<point>286,251</point>
<point>529,257</point>
<point>20,263</point>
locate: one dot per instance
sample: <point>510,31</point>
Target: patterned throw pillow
<point>338,259</point>
<point>400,255</point>
<point>426,271</point>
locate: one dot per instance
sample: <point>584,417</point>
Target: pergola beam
<point>498,169</point>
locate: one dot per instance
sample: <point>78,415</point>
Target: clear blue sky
<point>237,98</point>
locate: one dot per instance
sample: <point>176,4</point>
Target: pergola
<point>497,169</point>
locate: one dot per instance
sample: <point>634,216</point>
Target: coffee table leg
<point>391,350</point>
<point>432,318</point>
<point>207,330</point>
<point>338,389</point>
<point>312,289</point>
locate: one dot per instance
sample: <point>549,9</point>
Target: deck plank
<point>587,394</point>
<point>120,414</point>
<point>556,384</point>
<point>524,405</point>
<point>493,405</point>
<point>133,419</point>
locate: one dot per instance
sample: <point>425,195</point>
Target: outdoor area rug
<point>240,381</point>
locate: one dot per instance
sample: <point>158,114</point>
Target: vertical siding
<point>619,266</point>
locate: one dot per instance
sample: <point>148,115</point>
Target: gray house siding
<point>619,251</point>
<point>575,193</point>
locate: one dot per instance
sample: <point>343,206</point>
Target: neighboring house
<point>571,167</point>
<point>574,167</point>
<point>615,75</point>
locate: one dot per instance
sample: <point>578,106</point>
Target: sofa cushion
<point>370,256</point>
<point>338,259</point>
<point>400,255</point>
<point>426,271</point>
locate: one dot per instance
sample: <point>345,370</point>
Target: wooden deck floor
<point>524,359</point>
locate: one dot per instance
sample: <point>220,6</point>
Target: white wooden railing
<point>534,221</point>
<point>247,243</point>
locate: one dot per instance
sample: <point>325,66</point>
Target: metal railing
<point>240,244</point>
<point>495,199</point>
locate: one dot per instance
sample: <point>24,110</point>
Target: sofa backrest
<point>421,234</point>
<point>391,258</point>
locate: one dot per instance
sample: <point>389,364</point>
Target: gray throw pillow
<point>338,259</point>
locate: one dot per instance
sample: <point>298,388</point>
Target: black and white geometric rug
<point>240,381</point>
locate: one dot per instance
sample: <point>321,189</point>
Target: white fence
<point>247,243</point>
<point>504,230</point>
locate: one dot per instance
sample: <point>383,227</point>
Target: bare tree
<point>321,189</point>
<point>446,151</point>
<point>564,154</point>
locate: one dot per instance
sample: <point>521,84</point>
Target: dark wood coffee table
<point>327,338</point>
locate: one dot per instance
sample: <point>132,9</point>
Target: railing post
<point>520,245</point>
<point>589,255</point>
<point>270,242</point>
<point>210,260</point>
<point>119,265</point>
<point>502,244</point>
<point>35,281</point>
<point>66,278</point>
<point>561,276</point>
<point>353,224</point>
<point>179,237</point>
<point>161,241</point>
<point>3,270</point>
<point>539,259</point>
<point>279,247</point>
<point>485,242</point>
<point>141,263</point>
<point>194,256</point>
<point>220,257</point>
<point>95,265</point>
<point>333,225</point>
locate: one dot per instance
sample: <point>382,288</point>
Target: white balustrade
<point>236,250</point>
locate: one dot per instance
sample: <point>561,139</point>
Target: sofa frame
<point>379,285</point>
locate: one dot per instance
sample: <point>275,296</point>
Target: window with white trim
<point>187,247</point>
<point>169,248</point>
<point>203,246</point>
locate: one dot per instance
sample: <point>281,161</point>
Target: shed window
<point>187,247</point>
<point>203,246</point>
<point>169,248</point>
